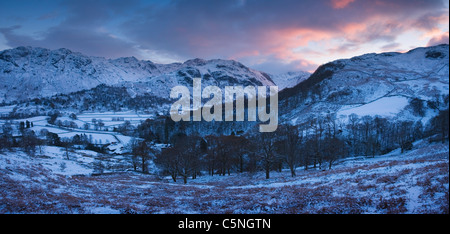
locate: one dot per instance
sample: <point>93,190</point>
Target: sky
<point>273,36</point>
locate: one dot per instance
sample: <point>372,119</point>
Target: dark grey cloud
<point>89,42</point>
<point>81,30</point>
<point>258,32</point>
<point>224,28</point>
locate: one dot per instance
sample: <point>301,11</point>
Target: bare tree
<point>212,153</point>
<point>133,144</point>
<point>66,143</point>
<point>168,160</point>
<point>353,129</point>
<point>288,146</point>
<point>317,125</point>
<point>265,142</point>
<point>182,158</point>
<point>29,142</point>
<point>6,138</point>
<point>334,149</point>
<point>143,151</point>
<point>404,135</point>
<point>440,125</point>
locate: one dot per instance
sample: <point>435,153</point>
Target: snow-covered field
<point>386,107</point>
<point>414,182</point>
<point>107,117</point>
<point>98,136</point>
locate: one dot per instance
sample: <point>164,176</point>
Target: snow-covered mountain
<point>372,84</point>
<point>27,72</point>
<point>289,79</point>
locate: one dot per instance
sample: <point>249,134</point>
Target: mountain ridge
<point>39,72</point>
<point>384,83</point>
<point>345,84</point>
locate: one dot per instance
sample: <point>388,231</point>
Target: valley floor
<point>413,182</point>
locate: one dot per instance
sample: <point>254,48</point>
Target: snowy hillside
<point>110,148</point>
<point>416,182</point>
<point>27,73</point>
<point>372,84</point>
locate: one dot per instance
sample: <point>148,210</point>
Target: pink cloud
<point>283,42</point>
<point>340,4</point>
<point>439,39</point>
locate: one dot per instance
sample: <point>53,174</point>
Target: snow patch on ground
<point>386,107</point>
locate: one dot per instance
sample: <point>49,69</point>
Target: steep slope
<point>372,84</point>
<point>215,72</point>
<point>27,72</point>
<point>289,79</point>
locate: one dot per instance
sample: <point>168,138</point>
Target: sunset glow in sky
<point>269,35</point>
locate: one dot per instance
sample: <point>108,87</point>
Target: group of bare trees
<point>318,143</point>
<point>141,152</point>
<point>25,137</point>
<point>188,155</point>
